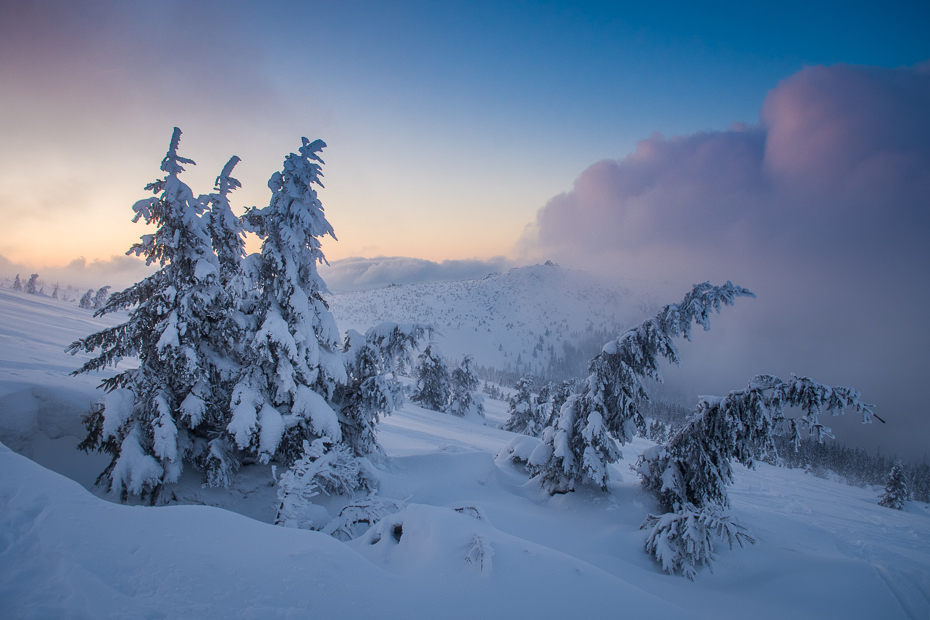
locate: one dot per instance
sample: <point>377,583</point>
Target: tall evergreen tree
<point>218,457</point>
<point>17,284</point>
<point>294,362</point>
<point>153,414</point>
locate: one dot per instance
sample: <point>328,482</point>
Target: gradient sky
<point>785,147</point>
<point>449,124</point>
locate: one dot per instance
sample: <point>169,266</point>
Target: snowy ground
<point>824,550</point>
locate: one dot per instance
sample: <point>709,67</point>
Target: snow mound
<point>65,553</point>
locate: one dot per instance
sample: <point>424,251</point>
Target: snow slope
<point>824,550</point>
<point>522,316</point>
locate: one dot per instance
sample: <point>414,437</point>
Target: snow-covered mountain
<point>519,320</point>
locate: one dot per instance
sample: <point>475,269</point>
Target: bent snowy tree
<point>584,439</point>
<point>694,467</point>
<point>690,474</point>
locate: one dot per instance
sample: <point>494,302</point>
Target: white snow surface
<point>475,539</point>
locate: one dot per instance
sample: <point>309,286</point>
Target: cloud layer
<point>118,272</point>
<point>823,209</point>
<point>357,274</point>
<point>841,155</point>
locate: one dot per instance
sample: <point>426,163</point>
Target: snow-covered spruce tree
<point>17,285</point>
<point>32,284</point>
<point>218,458</point>
<point>153,414</point>
<point>371,389</point>
<point>100,298</point>
<point>464,401</point>
<point>87,300</point>
<point>693,468</point>
<point>896,489</point>
<point>524,413</point>
<point>293,362</point>
<point>433,383</point>
<point>556,395</point>
<point>55,291</point>
<point>583,441</point>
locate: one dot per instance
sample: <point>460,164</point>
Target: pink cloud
<point>823,209</point>
<point>841,153</point>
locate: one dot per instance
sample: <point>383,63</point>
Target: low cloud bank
<point>358,274</point>
<point>823,209</point>
<point>118,272</point>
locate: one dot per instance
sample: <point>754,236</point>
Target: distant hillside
<point>542,319</point>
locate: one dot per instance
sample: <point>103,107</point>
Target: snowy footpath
<point>475,538</point>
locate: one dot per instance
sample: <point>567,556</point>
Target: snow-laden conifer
<point>100,297</point>
<point>550,400</point>
<point>695,466</point>
<point>218,458</point>
<point>226,230</point>
<point>32,286</point>
<point>87,300</point>
<point>17,284</point>
<point>583,440</point>
<point>324,467</point>
<point>433,381</point>
<point>371,389</point>
<point>464,382</point>
<point>156,412</point>
<point>293,359</point>
<point>896,489</point>
<point>525,414</point>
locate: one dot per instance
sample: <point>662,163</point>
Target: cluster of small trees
<point>90,300</point>
<point>529,414</point>
<point>31,287</point>
<point>239,356</point>
<point>689,473</point>
<point>441,390</point>
<point>94,301</point>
